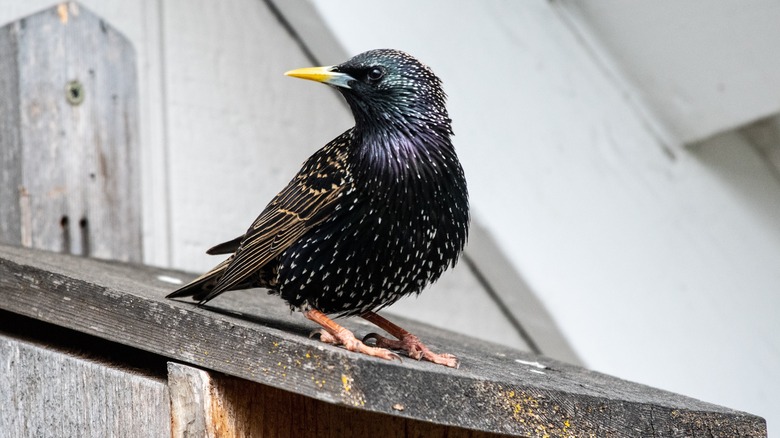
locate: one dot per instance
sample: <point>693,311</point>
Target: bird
<point>378,213</point>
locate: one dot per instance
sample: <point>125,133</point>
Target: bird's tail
<point>200,289</point>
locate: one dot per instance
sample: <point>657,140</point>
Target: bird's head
<point>387,89</point>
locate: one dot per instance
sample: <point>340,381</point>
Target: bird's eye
<point>375,74</point>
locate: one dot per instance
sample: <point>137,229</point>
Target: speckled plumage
<point>378,213</point>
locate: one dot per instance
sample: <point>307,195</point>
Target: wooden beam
<point>255,337</point>
<point>215,405</point>
<point>47,392</point>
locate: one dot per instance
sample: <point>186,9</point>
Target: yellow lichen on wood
<point>533,411</point>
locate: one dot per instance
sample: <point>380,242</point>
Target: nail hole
<point>64,223</point>
<point>74,92</point>
<point>85,241</point>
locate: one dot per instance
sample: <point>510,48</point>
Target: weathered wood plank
<point>10,141</point>
<point>215,405</point>
<point>70,136</point>
<point>142,23</point>
<point>48,393</point>
<point>191,394</point>
<point>254,336</point>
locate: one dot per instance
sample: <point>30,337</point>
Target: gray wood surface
<point>48,393</point>
<point>254,336</point>
<point>191,394</point>
<point>70,164</point>
<point>216,405</point>
<point>10,142</point>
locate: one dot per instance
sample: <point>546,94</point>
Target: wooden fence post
<point>69,152</point>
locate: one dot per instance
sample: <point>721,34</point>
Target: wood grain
<point>71,174</point>
<point>48,393</point>
<point>224,406</point>
<point>253,336</point>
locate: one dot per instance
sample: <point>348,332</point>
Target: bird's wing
<point>228,247</point>
<point>307,200</point>
<point>203,285</point>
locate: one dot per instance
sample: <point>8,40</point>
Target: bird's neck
<point>400,148</point>
<point>408,164</point>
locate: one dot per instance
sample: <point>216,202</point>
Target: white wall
<point>702,66</point>
<point>660,263</point>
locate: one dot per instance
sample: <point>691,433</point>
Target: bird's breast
<point>399,223</point>
<point>382,242</point>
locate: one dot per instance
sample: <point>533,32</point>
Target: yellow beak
<point>326,75</point>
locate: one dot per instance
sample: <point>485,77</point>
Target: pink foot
<point>415,349</point>
<point>332,333</point>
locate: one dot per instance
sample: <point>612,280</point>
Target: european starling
<point>378,213</point>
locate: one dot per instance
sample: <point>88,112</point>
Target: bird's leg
<point>332,333</point>
<point>406,342</point>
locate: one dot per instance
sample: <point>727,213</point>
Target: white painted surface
<point>661,269</point>
<point>238,129</point>
<point>703,66</point>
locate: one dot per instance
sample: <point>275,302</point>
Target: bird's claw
<point>376,337</point>
<point>324,337</point>
<point>413,348</point>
